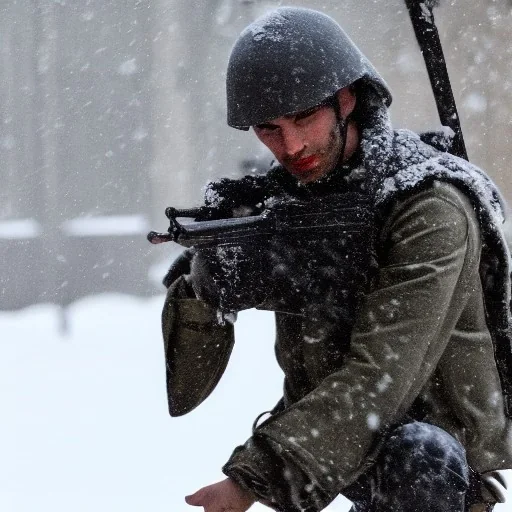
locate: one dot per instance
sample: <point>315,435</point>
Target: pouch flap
<point>197,350</point>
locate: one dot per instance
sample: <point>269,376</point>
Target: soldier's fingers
<point>198,499</point>
<point>179,267</point>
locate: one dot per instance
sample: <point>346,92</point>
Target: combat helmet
<point>290,60</point>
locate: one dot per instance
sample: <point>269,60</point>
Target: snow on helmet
<point>290,60</point>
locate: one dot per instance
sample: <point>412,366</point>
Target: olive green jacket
<point>421,337</point>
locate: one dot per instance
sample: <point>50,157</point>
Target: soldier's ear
<point>347,101</point>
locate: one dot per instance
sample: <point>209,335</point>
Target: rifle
<point>250,258</point>
<point>292,218</point>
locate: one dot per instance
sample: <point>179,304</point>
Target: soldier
<point>397,356</point>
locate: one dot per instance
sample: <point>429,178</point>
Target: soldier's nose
<point>293,141</point>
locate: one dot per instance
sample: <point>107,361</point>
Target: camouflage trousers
<point>421,468</point>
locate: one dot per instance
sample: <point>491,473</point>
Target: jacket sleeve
<point>326,440</point>
<point>197,348</point>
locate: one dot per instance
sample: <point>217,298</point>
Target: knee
<point>419,449</point>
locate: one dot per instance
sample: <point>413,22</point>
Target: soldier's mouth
<point>304,165</point>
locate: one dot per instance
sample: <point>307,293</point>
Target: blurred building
<point>75,148</point>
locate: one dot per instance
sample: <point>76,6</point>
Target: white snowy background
<point>84,422</point>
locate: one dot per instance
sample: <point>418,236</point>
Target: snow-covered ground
<point>84,420</point>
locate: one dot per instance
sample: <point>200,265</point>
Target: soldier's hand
<point>179,267</point>
<point>201,278</point>
<point>229,278</point>
<point>222,496</point>
<point>195,268</point>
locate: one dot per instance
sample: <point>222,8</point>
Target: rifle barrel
<point>427,35</point>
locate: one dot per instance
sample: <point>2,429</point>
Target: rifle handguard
<point>209,232</point>
<point>178,232</point>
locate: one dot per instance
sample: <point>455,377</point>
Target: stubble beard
<point>333,151</point>
<point>330,156</point>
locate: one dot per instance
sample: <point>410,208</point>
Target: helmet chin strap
<point>343,127</point>
<point>342,124</point>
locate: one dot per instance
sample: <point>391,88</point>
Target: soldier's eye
<point>266,126</point>
<point>307,113</point>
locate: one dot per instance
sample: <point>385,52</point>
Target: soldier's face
<point>308,144</point>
